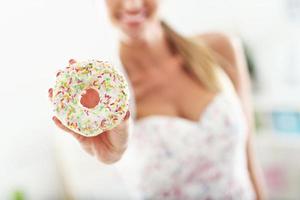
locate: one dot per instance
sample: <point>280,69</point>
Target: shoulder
<point>228,46</point>
<point>215,38</point>
<point>229,54</point>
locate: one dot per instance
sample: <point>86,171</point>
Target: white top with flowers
<point>175,158</point>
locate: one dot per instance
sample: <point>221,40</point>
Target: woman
<point>192,126</point>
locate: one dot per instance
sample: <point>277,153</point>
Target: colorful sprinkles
<point>72,82</point>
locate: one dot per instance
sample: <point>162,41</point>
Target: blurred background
<point>37,37</point>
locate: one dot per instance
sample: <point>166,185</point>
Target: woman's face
<point>132,17</point>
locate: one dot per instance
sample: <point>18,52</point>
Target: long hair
<point>198,58</point>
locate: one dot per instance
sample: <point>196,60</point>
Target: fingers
<point>62,127</point>
<point>50,91</point>
<point>72,61</point>
<point>50,94</point>
<point>127,115</point>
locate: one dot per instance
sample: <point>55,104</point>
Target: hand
<point>109,146</point>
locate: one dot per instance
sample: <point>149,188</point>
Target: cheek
<point>152,6</point>
<point>112,8</point>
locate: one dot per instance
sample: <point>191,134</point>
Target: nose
<point>132,5</point>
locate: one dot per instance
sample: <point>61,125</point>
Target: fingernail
<point>127,115</point>
<point>72,61</point>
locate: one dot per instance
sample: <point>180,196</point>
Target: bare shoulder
<point>226,45</point>
<point>215,38</point>
<point>230,53</point>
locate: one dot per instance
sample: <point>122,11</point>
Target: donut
<point>104,83</point>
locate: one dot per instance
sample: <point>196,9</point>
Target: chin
<point>133,33</point>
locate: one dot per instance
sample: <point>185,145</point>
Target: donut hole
<point>90,98</point>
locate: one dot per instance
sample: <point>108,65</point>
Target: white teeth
<point>133,18</point>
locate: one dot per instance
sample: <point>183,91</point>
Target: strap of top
<point>226,84</point>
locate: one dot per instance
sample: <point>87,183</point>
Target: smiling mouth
<point>134,18</point>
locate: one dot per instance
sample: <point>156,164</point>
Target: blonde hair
<point>198,58</point>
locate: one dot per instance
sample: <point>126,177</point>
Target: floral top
<point>175,158</point>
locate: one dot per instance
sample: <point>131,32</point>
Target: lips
<point>133,18</point>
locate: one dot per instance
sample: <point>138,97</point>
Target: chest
<point>168,90</point>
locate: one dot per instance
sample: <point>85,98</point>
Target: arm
<point>231,58</point>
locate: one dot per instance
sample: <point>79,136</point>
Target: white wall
<point>37,37</point>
